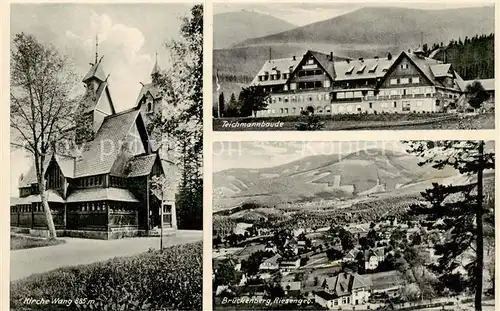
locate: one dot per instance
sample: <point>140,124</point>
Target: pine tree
<point>457,210</point>
<point>221,105</point>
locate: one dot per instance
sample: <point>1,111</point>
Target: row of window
<point>408,91</point>
<point>300,98</point>
<point>102,206</point>
<point>354,94</point>
<point>406,80</point>
<point>294,110</point>
<point>28,208</point>
<point>90,181</point>
<point>118,182</point>
<point>272,77</point>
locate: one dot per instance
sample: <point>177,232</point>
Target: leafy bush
<point>168,280</point>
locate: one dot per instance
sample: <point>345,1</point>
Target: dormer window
<point>361,69</point>
<point>349,71</point>
<point>374,67</point>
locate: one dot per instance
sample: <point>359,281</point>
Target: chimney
<point>348,61</point>
<point>361,59</point>
<point>331,56</point>
<point>294,57</point>
<point>376,57</point>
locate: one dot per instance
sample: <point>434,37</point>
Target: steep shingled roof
<point>141,165</point>
<point>100,194</point>
<point>96,71</point>
<point>100,154</point>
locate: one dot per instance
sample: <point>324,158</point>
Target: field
<point>156,280</point>
<point>410,121</point>
<point>23,242</point>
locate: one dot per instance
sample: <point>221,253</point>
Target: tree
<point>225,274</point>
<point>232,109</point>
<point>41,107</point>
<point>221,105</point>
<point>253,98</point>
<point>457,209</point>
<point>180,123</point>
<point>476,94</point>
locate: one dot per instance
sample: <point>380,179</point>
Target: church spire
<point>96,71</point>
<point>96,49</point>
<point>156,67</point>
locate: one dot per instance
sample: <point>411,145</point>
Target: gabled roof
<point>440,70</point>
<point>53,196</point>
<point>30,177</point>
<point>89,101</point>
<point>99,194</point>
<point>344,283</point>
<point>283,65</point>
<point>150,88</point>
<point>488,84</point>
<point>273,260</point>
<point>351,70</point>
<point>141,165</point>
<point>66,164</point>
<point>325,62</point>
<point>100,154</point>
<point>96,71</point>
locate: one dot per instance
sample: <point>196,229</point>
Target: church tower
<point>95,104</point>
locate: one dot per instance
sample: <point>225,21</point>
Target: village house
<point>373,257</point>
<point>324,84</point>
<point>287,266</point>
<point>270,263</point>
<point>101,187</point>
<point>345,289</point>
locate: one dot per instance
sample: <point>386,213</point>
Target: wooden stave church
<point>103,193</point>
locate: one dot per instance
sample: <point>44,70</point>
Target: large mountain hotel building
<point>318,82</point>
<point>102,191</point>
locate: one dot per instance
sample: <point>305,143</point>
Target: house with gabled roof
<point>344,289</point>
<point>101,186</point>
<point>327,84</point>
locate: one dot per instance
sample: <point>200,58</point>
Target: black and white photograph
<point>353,225</point>
<point>106,151</point>
<point>356,66</point>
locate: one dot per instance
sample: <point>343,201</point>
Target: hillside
<point>355,175</point>
<point>233,27</point>
<point>389,26</point>
<point>365,33</point>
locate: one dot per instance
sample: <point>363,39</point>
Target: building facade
<point>101,186</point>
<point>321,84</point>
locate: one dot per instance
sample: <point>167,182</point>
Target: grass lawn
<point>408,121</point>
<point>155,280</point>
<point>23,242</point>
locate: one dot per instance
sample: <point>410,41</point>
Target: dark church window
<point>150,106</point>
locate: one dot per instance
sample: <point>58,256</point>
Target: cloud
<point>123,60</point>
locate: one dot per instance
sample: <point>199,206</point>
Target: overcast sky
<point>258,154</point>
<point>129,35</point>
<point>306,13</point>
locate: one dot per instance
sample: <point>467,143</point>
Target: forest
<point>473,58</point>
